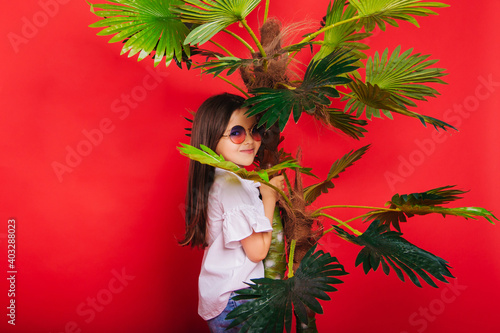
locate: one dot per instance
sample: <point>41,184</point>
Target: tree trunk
<point>297,224</point>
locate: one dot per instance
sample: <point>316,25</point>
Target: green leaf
<point>219,65</point>
<point>319,84</point>
<point>192,51</point>
<point>293,48</point>
<point>380,12</point>
<point>263,174</point>
<point>392,83</point>
<point>207,156</point>
<point>343,35</point>
<point>312,192</point>
<point>344,122</point>
<point>273,301</point>
<point>402,74</point>
<point>423,203</point>
<point>212,15</point>
<point>372,100</point>
<point>388,248</point>
<point>145,27</point>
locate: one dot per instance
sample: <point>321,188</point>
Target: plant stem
<point>328,27</point>
<point>234,85</point>
<point>324,29</point>
<point>244,42</point>
<point>350,220</point>
<point>284,85</point>
<point>340,222</point>
<point>287,181</point>
<point>354,206</point>
<point>290,259</point>
<point>360,217</point>
<point>266,11</point>
<point>346,94</point>
<point>257,42</point>
<point>222,48</point>
<point>254,37</point>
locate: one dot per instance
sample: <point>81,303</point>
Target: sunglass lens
<point>256,135</point>
<point>237,134</point>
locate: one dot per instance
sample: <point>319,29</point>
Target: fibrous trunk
<point>297,224</point>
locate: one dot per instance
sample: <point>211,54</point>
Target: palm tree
<point>297,274</point>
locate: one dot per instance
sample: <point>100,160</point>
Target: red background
<point>119,210</point>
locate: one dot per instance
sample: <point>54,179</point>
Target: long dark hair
<point>210,122</point>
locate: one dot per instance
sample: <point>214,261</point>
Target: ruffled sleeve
<point>241,222</point>
<point>243,210</point>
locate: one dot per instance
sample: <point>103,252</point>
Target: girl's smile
<point>243,153</point>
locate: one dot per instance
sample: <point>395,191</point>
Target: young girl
<point>224,213</point>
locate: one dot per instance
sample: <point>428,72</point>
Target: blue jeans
<point>219,323</point>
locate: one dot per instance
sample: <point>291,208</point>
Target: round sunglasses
<point>238,134</point>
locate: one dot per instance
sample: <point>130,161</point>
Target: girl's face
<point>242,154</point>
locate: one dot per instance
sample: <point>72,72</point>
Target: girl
<point>224,214</point>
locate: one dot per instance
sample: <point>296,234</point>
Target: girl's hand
<point>257,244</point>
<point>268,193</point>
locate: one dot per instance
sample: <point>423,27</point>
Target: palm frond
<point>343,35</point>
<point>206,155</point>
<point>391,84</point>
<point>402,74</point>
<point>428,202</point>
<point>389,249</point>
<point>319,83</point>
<point>195,51</point>
<point>145,26</point>
<point>212,16</point>
<point>380,12</point>
<point>272,302</point>
<point>231,64</point>
<point>312,192</point>
<point>342,121</point>
<point>374,101</point>
<point>294,48</point>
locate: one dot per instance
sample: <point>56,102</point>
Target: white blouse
<point>234,212</point>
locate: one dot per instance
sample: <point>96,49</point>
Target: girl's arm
<point>257,244</point>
